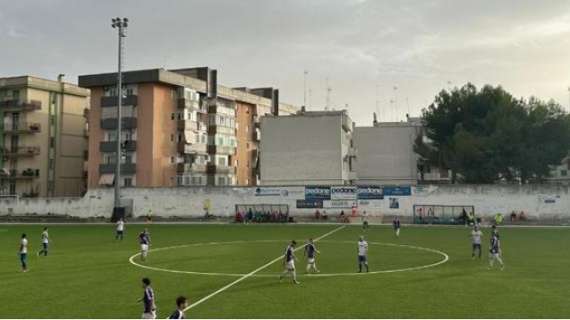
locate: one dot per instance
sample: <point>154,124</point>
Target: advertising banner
<point>343,193</point>
<point>317,193</point>
<point>397,191</point>
<point>340,204</point>
<point>370,192</point>
<point>309,204</point>
<point>260,192</point>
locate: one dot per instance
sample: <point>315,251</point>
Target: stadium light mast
<point>121,26</point>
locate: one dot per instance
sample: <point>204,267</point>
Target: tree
<point>487,135</point>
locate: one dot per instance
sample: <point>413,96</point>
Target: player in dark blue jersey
<point>396,225</point>
<point>495,249</point>
<point>289,263</point>
<point>148,300</point>
<point>311,254</point>
<point>144,241</point>
<point>181,304</point>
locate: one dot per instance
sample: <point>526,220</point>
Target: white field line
<point>233,283</point>
<point>414,268</point>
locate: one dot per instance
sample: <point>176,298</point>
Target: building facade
<point>386,153</point>
<point>307,148</point>
<point>180,128</point>
<point>43,140</point>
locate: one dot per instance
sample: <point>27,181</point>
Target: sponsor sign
<point>343,193</point>
<point>370,203</point>
<point>317,193</point>
<point>370,192</point>
<point>260,192</point>
<point>398,191</point>
<point>340,203</point>
<point>309,204</point>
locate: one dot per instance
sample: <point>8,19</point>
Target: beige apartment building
<point>179,128</point>
<point>43,140</point>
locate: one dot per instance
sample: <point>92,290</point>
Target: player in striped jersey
<point>289,262</point>
<point>148,300</point>
<point>144,240</point>
<point>24,252</point>
<point>495,249</point>
<point>311,254</point>
<point>181,304</point>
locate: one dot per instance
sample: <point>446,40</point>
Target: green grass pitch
<point>88,274</point>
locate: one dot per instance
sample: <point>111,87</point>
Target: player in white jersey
<point>495,250</point>
<point>476,242</point>
<point>24,252</point>
<point>362,254</point>
<point>289,263</point>
<point>120,229</point>
<point>45,243</point>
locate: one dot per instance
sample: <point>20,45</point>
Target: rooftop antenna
<point>305,73</point>
<point>396,103</point>
<point>377,102</point>
<point>328,96</point>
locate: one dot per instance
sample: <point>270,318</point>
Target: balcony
<point>17,106</point>
<point>191,148</point>
<point>221,150</point>
<point>111,146</point>
<point>212,169</point>
<point>183,168</point>
<point>21,128</point>
<point>131,100</point>
<point>126,168</point>
<point>28,174</point>
<point>190,104</point>
<point>188,125</point>
<point>111,123</point>
<point>21,152</point>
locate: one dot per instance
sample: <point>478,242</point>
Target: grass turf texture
<point>87,274</point>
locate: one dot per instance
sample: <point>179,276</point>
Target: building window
<point>172,116</point>
<point>128,182</point>
<point>52,142</point>
<point>563,173</point>
<point>171,138</point>
<point>172,160</point>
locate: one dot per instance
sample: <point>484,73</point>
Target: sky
<point>389,57</point>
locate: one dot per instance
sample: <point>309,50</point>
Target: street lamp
<point>121,26</point>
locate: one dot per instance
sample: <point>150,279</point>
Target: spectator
<point>522,216</point>
<point>513,216</point>
<point>324,215</point>
<point>317,214</point>
<point>249,215</point>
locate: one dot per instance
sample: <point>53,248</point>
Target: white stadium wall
<point>543,202</point>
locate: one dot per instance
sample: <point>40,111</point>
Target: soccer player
<point>45,243</point>
<point>181,304</point>
<point>144,240</point>
<point>289,262</point>
<point>495,250</point>
<point>24,252</point>
<point>476,242</point>
<point>120,229</point>
<point>362,254</point>
<point>311,254</point>
<point>148,300</point>
<point>396,225</point>
<point>364,220</point>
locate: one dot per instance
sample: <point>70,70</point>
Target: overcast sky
<point>366,49</point>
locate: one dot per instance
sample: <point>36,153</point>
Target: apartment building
<point>43,140</point>
<point>309,147</point>
<point>179,128</point>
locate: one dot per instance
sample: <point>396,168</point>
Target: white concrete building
<point>386,153</point>
<point>310,147</point>
<point>560,174</point>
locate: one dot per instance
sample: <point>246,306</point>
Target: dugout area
<point>441,214</point>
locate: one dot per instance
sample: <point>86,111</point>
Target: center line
<point>231,284</point>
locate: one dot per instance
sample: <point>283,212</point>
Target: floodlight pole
<point>120,25</point>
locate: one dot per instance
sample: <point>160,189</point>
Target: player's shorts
<point>477,246</point>
<point>362,259</point>
<point>144,247</point>
<point>291,264</point>
<point>149,315</point>
<point>23,257</point>
<point>311,260</point>
<point>120,232</point>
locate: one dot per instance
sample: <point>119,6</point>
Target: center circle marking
<point>445,258</point>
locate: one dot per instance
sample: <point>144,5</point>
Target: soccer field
<point>426,272</point>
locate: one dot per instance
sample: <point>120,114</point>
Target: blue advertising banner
<point>370,192</point>
<point>343,193</point>
<point>317,193</point>
<point>397,191</point>
<point>309,204</point>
